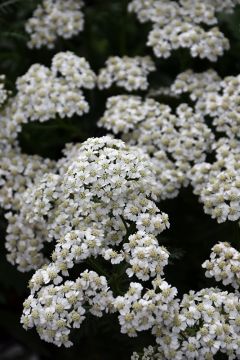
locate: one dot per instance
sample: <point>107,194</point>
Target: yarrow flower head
<point>126,72</point>
<point>224,265</point>
<point>54,310</point>
<point>154,127</point>
<point>213,97</point>
<point>17,172</point>
<point>217,184</point>
<point>207,323</point>
<point>107,185</point>
<point>178,25</point>
<point>102,206</point>
<point>196,84</point>
<point>44,94</point>
<point>175,141</point>
<point>53,19</point>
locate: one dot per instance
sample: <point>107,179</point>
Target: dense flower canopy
<point>87,224</point>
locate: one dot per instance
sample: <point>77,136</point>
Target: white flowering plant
<point>120,179</point>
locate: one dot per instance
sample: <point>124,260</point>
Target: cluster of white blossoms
<point>207,323</point>
<point>221,196</point>
<point>141,310</point>
<point>175,141</point>
<point>217,183</point>
<point>106,185</point>
<point>224,265</point>
<point>196,84</point>
<point>146,257</point>
<point>214,97</point>
<point>126,72</point>
<point>17,172</point>
<point>53,19</point>
<point>55,310</point>
<point>124,112</point>
<point>223,106</point>
<point>24,240</point>
<point>180,25</point>
<point>101,206</point>
<point>44,94</point>
<point>154,127</point>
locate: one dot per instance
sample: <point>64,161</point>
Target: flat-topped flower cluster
<point>105,185</point>
<point>101,206</point>
<point>179,24</point>
<point>208,323</point>
<point>53,19</point>
<point>224,265</point>
<point>175,141</point>
<point>44,94</point>
<point>126,72</point>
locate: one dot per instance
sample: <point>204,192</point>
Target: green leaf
<point>7,6</point>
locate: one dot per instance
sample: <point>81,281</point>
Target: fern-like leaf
<point>7,5</point>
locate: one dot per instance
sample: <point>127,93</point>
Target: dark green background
<point>109,30</point>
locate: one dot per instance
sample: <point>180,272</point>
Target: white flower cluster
<point>209,319</point>
<point>126,72</point>
<point>25,240</point>
<point>124,112</point>
<point>146,257</point>
<point>223,106</point>
<point>18,172</point>
<point>176,141</point>
<point>214,97</point>
<point>136,313</point>
<point>196,84</point>
<point>224,265</point>
<point>170,176</point>
<point>208,323</point>
<point>221,196</point>
<point>53,19</point>
<point>54,310</point>
<point>169,179</point>
<point>179,25</point>
<point>183,135</point>
<point>102,202</point>
<point>218,184</point>
<point>44,93</point>
<point>140,312</point>
<point>106,185</point>
<point>97,204</point>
